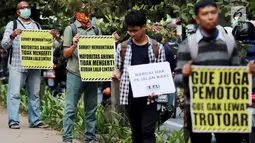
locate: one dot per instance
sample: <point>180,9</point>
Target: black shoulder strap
<point>74,29</point>
<point>38,26</point>
<point>14,24</point>
<point>96,29</point>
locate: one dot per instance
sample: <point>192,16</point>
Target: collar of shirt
<point>149,41</point>
<point>31,20</point>
<point>78,25</point>
<point>199,36</point>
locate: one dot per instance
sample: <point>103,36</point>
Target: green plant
<point>116,130</point>
<point>3,94</point>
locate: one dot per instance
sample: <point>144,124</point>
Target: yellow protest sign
<point>96,57</point>
<point>36,49</point>
<point>220,99</point>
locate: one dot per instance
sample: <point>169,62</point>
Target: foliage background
<point>58,14</point>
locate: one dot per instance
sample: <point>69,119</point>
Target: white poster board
<point>151,78</point>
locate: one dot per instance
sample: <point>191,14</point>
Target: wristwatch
<point>11,37</point>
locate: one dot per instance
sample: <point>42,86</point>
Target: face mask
<point>83,19</point>
<point>25,13</point>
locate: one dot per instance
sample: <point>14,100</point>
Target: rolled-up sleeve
<point>6,41</point>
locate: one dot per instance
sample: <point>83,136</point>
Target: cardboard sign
<point>148,78</point>
<point>36,50</point>
<point>96,57</point>
<point>220,99</point>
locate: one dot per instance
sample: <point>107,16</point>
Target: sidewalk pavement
<point>25,134</point>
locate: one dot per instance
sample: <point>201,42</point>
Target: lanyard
<point>21,23</point>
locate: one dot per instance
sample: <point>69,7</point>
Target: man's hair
<point>135,18</point>
<point>203,3</point>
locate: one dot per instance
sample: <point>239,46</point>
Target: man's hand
<point>186,70</point>
<point>76,40</point>
<point>116,37</point>
<point>116,75</point>
<point>15,33</point>
<point>152,95</point>
<point>53,32</point>
<point>107,91</point>
<point>251,66</point>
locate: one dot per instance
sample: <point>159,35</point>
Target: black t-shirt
<point>140,55</point>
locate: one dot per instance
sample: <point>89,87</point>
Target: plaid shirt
<point>15,44</point>
<point>124,82</point>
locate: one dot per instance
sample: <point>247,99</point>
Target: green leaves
<point>190,5</point>
<point>115,130</point>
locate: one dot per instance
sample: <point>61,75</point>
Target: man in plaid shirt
<point>142,112</point>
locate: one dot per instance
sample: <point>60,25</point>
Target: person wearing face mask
<point>17,75</point>
<point>75,87</point>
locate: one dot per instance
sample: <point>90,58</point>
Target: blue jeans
<point>74,88</point>
<point>32,78</point>
<point>171,99</point>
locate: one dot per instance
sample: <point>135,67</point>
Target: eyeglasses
<point>23,7</point>
<point>133,31</point>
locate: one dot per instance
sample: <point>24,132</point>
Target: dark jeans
<point>142,118</point>
<point>207,137</point>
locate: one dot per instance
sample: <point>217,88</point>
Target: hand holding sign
<point>15,33</point>
<point>152,95</point>
<point>53,32</point>
<point>76,40</point>
<point>251,66</point>
<point>186,70</point>
<point>116,75</point>
<point>116,37</point>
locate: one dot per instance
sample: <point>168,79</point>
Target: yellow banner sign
<point>96,57</point>
<point>36,49</point>
<point>220,99</point>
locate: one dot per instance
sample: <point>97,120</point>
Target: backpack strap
<point>123,50</point>
<point>15,25</point>
<point>155,48</point>
<point>74,29</point>
<point>192,42</point>
<point>96,29</point>
<point>38,25</point>
<point>230,42</point>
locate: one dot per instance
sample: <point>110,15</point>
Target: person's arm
<point>8,37</point>
<point>183,57</point>
<point>116,75</point>
<point>118,60</point>
<point>170,56</point>
<point>70,42</point>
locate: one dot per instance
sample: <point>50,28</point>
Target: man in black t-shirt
<point>142,112</point>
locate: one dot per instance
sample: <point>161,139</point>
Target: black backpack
<point>58,56</point>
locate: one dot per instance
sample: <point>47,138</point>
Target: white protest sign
<point>148,78</point>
